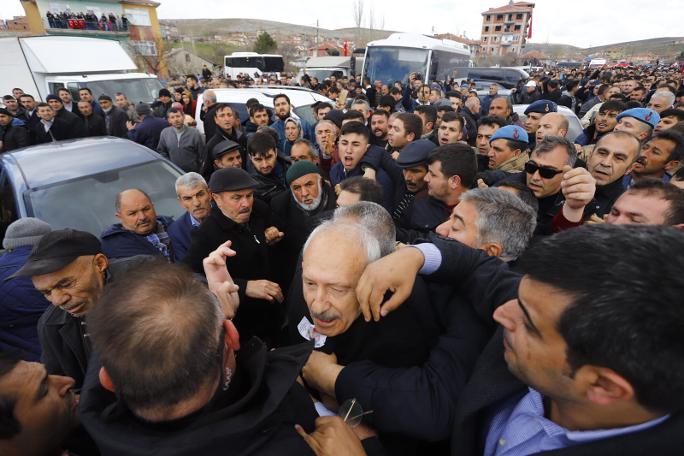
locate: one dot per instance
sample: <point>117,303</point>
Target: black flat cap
<point>230,180</point>
<point>223,148</point>
<point>56,250</point>
<point>415,153</point>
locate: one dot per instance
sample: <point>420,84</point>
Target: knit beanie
<point>25,231</point>
<point>299,169</point>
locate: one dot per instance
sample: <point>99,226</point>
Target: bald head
<point>135,211</point>
<point>552,124</point>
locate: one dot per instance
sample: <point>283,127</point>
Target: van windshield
<point>137,90</point>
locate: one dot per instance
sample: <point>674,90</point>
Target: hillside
<point>668,47</point>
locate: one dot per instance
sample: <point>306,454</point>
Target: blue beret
<point>542,106</point>
<point>645,115</point>
<point>512,132</point>
<point>415,153</point>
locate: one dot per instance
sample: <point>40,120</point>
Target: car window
<point>8,208</point>
<point>87,203</point>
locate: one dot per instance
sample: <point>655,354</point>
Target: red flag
<point>346,48</point>
<point>529,29</point>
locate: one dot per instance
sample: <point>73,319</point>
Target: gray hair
<point>361,101</point>
<point>549,143</point>
<point>503,218</point>
<point>313,153</point>
<point>666,95</point>
<point>354,231</point>
<point>190,180</point>
<point>374,218</point>
<point>209,95</point>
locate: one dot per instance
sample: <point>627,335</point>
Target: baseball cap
<point>57,249</point>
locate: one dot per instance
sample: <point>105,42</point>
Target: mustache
<point>641,160</point>
<point>142,222</point>
<point>328,315</point>
<point>244,210</point>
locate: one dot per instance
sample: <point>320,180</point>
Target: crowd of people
<point>420,271</point>
<point>87,21</point>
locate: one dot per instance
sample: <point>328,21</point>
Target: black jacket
<point>63,337</point>
<point>401,340</point>
<point>14,137</point>
<point>605,197</point>
<point>58,131</point>
<point>252,262</point>
<point>420,401</point>
<point>256,416</point>
<point>423,216</point>
<point>76,126</point>
<point>273,184</point>
<point>95,125</point>
<point>116,118</point>
<point>118,242</point>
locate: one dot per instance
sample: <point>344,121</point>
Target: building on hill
<point>132,22</point>
<point>180,61</point>
<point>505,29</point>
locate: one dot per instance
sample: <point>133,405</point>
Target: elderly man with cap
<point>20,304</point>
<point>11,136</point>
<point>69,269</point>
<point>246,222</point>
<point>148,131</point>
<point>115,117</point>
<point>140,231</point>
<point>299,210</point>
<point>225,154</point>
<point>534,112</point>
<point>639,122</point>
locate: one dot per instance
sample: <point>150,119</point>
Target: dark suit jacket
<point>117,125</point>
<point>95,125</point>
<point>179,231</point>
<point>58,131</point>
<point>14,137</point>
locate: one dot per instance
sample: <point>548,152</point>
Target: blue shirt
<point>628,180</point>
<point>520,428</point>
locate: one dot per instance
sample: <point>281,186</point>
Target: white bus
<point>401,54</point>
<point>253,64</point>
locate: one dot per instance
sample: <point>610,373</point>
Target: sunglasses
<point>544,171</point>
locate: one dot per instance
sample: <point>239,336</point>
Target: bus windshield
<point>265,64</point>
<point>390,64</point>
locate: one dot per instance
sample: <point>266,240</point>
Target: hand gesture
<point>219,280</point>
<point>273,235</point>
<point>395,272</point>
<point>332,437</point>
<point>578,187</point>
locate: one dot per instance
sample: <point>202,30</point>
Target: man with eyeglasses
<point>550,176</point>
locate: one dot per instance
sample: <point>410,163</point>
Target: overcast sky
<point>583,23</point>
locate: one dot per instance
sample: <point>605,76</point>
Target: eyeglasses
<point>544,171</point>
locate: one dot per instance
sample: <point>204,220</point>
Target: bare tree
<point>358,18</point>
